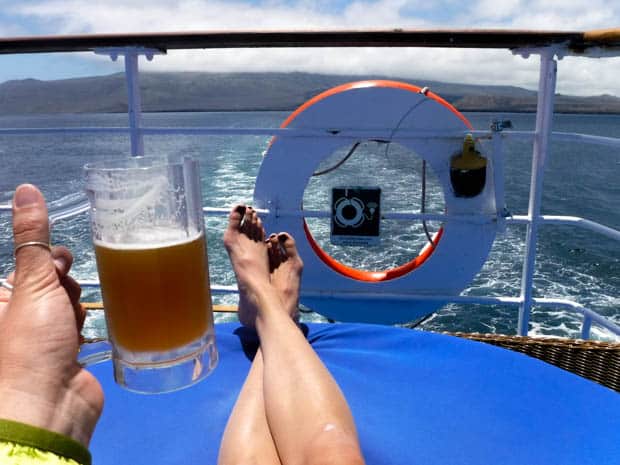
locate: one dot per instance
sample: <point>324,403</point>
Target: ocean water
<point>580,180</point>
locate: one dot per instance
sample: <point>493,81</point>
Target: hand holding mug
<point>41,382</point>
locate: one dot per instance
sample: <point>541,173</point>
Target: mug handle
<point>94,351</point>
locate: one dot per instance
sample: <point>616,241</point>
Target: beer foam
<point>152,238</point>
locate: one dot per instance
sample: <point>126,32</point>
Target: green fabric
<point>26,435</point>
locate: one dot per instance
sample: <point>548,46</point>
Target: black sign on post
<point>356,215</point>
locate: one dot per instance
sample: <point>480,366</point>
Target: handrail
<point>331,133</point>
<point>574,41</point>
<point>343,133</point>
<point>569,221</point>
<point>575,221</point>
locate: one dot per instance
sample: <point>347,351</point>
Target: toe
<point>235,220</point>
<point>274,252</point>
<point>246,222</point>
<point>254,226</point>
<point>261,229</point>
<point>287,243</point>
<point>235,217</point>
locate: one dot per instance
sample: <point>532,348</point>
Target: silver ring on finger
<point>32,243</point>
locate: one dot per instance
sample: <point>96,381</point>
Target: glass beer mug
<point>148,233</point>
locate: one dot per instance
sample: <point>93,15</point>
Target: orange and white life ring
<point>391,108</point>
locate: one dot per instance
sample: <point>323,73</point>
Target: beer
<point>156,296</point>
<point>148,230</point>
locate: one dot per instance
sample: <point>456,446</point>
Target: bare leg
<point>247,424</point>
<point>247,439</point>
<point>308,416</point>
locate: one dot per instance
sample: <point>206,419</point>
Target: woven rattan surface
<point>595,360</point>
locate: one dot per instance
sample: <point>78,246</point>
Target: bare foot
<point>286,267</point>
<point>281,260</point>
<point>244,240</point>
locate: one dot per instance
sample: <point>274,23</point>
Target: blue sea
<point>580,180</point>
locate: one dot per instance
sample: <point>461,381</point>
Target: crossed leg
<point>290,409</point>
<point>247,439</point>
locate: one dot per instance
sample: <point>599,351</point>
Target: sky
<point>576,76</point>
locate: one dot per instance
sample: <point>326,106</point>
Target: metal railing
<point>533,219</point>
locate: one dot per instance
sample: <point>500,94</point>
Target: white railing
<point>541,137</point>
<point>588,316</point>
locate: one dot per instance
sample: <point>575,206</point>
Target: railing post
<point>498,175</point>
<point>134,104</point>
<point>544,120</point>
<point>586,327</point>
<point>134,101</point>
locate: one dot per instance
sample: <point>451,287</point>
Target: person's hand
<point>41,382</point>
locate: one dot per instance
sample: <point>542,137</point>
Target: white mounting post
<point>542,135</point>
<point>498,175</point>
<point>134,101</point>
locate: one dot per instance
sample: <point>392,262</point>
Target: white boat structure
<point>500,411</point>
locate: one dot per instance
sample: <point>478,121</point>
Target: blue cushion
<point>416,397</point>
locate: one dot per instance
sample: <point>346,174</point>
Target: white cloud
<point>580,76</point>
<point>494,11</point>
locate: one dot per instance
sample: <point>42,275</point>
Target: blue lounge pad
<point>416,397</point>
